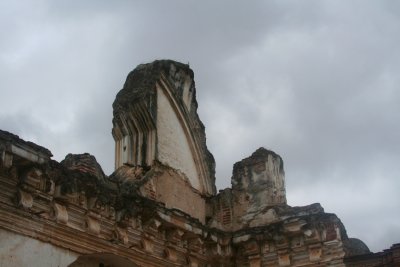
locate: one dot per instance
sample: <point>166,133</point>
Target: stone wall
<point>17,250</point>
<point>387,258</point>
<point>177,193</point>
<point>258,184</point>
<point>71,206</point>
<point>155,119</point>
<point>75,213</point>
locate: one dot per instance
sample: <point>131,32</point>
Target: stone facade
<point>387,258</point>
<point>160,207</point>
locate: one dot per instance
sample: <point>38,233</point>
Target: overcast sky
<point>315,81</point>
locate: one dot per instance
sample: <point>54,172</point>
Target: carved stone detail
<point>283,258</point>
<point>82,200</point>
<point>93,225</point>
<point>170,254</point>
<point>6,159</point>
<point>174,235</point>
<point>315,253</point>
<point>193,262</point>
<point>214,249</point>
<point>146,245</point>
<point>255,261</point>
<point>251,248</point>
<point>121,235</point>
<point>33,178</point>
<point>60,213</point>
<point>24,199</point>
<point>152,225</point>
<point>196,243</point>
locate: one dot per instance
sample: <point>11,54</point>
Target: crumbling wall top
<point>14,148</point>
<point>85,163</point>
<point>9,138</point>
<point>155,119</point>
<point>140,82</point>
<point>262,170</point>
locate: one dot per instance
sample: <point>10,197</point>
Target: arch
<point>195,167</point>
<point>102,260</point>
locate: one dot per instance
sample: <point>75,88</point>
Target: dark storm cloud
<point>315,81</point>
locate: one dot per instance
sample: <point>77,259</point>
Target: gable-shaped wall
<point>173,146</point>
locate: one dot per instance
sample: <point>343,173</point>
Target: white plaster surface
<point>19,251</point>
<point>173,145</point>
<point>187,94</point>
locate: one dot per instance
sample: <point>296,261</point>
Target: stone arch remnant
<point>102,260</point>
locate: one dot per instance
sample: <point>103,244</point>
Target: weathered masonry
<point>160,206</point>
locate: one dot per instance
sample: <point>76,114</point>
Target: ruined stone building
<point>160,207</point>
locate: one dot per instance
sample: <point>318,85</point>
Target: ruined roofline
<point>71,209</point>
<point>14,148</point>
<point>141,81</point>
<point>10,138</point>
<point>81,174</point>
<point>260,154</point>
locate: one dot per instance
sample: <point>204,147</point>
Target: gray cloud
<point>315,81</point>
